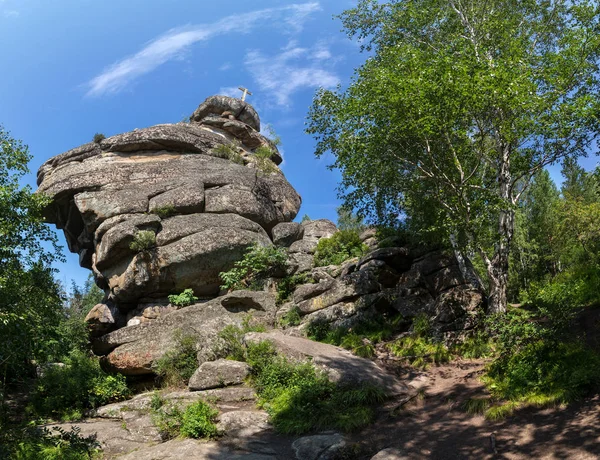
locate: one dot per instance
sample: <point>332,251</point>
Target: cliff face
<point>198,187</point>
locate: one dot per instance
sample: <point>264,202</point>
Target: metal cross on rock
<point>245,92</point>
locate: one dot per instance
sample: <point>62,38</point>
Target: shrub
<point>99,137</point>
<point>291,318</point>
<point>43,444</point>
<point>143,240</point>
<point>232,339</point>
<point>229,152</point>
<point>300,399</point>
<point>264,163</point>
<point>258,264</point>
<point>79,385</point>
<point>165,211</point>
<point>341,246</point>
<point>198,421</point>
<point>184,299</point>
<point>177,365</point>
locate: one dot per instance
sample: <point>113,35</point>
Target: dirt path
<point>436,426</point>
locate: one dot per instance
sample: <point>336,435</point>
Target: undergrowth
<point>177,365</point>
<point>298,397</point>
<point>66,392</point>
<point>343,245</point>
<point>184,299</point>
<point>258,264</point>
<point>198,420</point>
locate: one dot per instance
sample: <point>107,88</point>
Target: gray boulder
<point>286,233</point>
<point>217,105</point>
<point>219,373</point>
<point>324,446</point>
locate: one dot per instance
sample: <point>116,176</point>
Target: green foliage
<point>306,218</point>
<point>198,421</point>
<point>57,444</point>
<point>229,152</point>
<point>165,211</point>
<point>301,399</point>
<point>475,346</point>
<point>178,364</point>
<point>456,109</point>
<point>476,406</point>
<point>420,351</point>
<point>30,298</point>
<point>184,299</point>
<point>258,264</point>
<point>287,285</point>
<point>421,325</point>
<point>291,318</point>
<point>143,240</point>
<point>80,384</point>
<point>264,163</point>
<point>361,338</point>
<point>347,220</point>
<point>539,359</point>
<point>98,137</point>
<point>343,245</point>
<point>232,339</point>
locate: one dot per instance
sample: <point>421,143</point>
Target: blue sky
<point>72,68</point>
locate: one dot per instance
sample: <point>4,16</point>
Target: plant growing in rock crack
<point>263,160</point>
<point>177,365</point>
<point>184,299</point>
<point>258,264</point>
<point>291,318</point>
<point>229,152</point>
<point>98,137</point>
<point>143,240</point>
<point>342,246</point>
<point>164,211</point>
<point>287,285</point>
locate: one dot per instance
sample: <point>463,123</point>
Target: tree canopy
<point>458,106</point>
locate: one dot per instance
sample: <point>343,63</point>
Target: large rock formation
<point>198,187</point>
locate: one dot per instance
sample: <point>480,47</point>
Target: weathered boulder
<point>181,182</point>
<point>314,230</point>
<point>217,105</point>
<point>133,350</point>
<point>286,233</point>
<point>103,318</point>
<point>219,373</point>
<point>324,446</point>
<point>340,365</point>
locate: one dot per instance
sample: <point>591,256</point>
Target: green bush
<point>80,385</point>
<point>165,211</point>
<point>291,318</point>
<point>177,365</point>
<point>143,240</point>
<point>231,337</point>
<point>264,163</point>
<point>229,152</point>
<point>184,299</point>
<point>43,444</point>
<point>343,245</point>
<point>98,137</point>
<point>258,264</point>
<point>198,421</point>
<point>300,399</point>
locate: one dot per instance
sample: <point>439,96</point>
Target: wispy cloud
<point>231,91</point>
<point>175,42</point>
<point>293,69</point>
<point>11,14</point>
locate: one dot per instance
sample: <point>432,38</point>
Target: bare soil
<point>437,427</point>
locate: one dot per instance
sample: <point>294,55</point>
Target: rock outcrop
<point>196,191</point>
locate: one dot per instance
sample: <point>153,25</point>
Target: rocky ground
<point>432,425</point>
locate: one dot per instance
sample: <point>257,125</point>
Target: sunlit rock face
<point>197,186</point>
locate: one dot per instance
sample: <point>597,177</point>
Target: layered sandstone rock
<point>196,186</point>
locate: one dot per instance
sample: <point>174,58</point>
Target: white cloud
<point>231,91</point>
<point>226,66</point>
<point>176,41</point>
<point>293,69</point>
<point>11,14</point>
